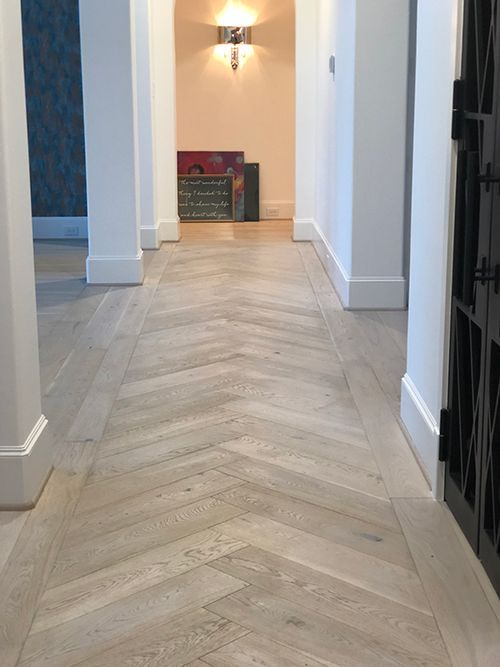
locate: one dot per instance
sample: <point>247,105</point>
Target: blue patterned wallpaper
<point>51,31</point>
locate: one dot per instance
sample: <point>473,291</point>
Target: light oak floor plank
<point>116,582</point>
<point>173,644</point>
<point>406,634</point>
<point>322,522</point>
<point>307,631</point>
<point>98,631</point>
<point>469,627</point>
<point>392,581</point>
<point>255,650</point>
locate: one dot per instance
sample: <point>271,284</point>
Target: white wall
<point>305,116</point>
<point>164,114</point>
<point>424,387</point>
<point>145,134</point>
<point>107,30</point>
<point>335,128</point>
<point>25,443</point>
<point>361,149</point>
<point>381,81</point>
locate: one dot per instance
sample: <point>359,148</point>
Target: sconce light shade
<point>235,37</point>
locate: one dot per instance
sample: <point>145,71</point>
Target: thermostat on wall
<point>332,66</point>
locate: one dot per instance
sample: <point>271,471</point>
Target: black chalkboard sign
<point>206,198</point>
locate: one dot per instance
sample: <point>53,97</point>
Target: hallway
<point>233,485</point>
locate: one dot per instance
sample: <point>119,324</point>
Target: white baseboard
<point>150,237</point>
<point>170,229</point>
<point>303,229</point>
<point>60,228</point>
<point>115,270</point>
<point>358,292</point>
<point>333,267</point>
<point>424,433</point>
<point>286,210</point>
<point>25,469</point>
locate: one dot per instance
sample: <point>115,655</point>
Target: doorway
<point>232,120</point>
<point>472,484</point>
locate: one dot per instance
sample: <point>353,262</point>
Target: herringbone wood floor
<point>237,488</point>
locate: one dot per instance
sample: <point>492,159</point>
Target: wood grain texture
<point>258,650</point>
<point>11,525</point>
<point>406,634</point>
<point>228,497</point>
<point>172,644</point>
<point>75,561</point>
<point>87,636</point>
<point>360,535</point>
<point>377,576</point>
<point>469,627</point>
<point>307,631</point>
<point>110,584</point>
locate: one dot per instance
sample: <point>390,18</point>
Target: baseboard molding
<point>303,229</point>
<point>115,270</point>
<point>60,228</point>
<point>424,433</point>
<point>286,210</point>
<point>150,237</point>
<point>24,470</point>
<point>358,292</point>
<point>333,266</point>
<point>170,230</point>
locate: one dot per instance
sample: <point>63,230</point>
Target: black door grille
<point>472,487</point>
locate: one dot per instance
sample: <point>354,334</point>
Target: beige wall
<point>252,109</point>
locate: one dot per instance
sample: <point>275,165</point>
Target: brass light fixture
<point>236,37</point>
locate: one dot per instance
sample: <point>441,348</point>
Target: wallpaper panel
<point>51,33</point>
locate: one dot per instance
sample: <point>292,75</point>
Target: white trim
<point>333,266</point>
<point>57,227</point>
<point>286,210</point>
<point>170,230</point>
<point>303,229</point>
<point>25,469</point>
<point>150,237</point>
<point>424,433</point>
<point>115,270</point>
<point>359,292</point>
<point>28,444</point>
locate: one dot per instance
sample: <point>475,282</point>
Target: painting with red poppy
<point>223,162</point>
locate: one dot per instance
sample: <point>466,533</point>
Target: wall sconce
<point>237,37</point>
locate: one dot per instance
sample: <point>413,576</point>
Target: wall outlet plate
<point>272,212</point>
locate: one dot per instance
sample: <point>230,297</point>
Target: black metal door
<point>472,487</point>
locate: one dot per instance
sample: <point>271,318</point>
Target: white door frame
<point>165,123</point>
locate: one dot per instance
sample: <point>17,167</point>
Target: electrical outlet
<point>272,212</point>
<point>71,231</point>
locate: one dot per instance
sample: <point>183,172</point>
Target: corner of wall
<point>424,433</point>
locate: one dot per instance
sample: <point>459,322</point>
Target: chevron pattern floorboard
<point>228,499</point>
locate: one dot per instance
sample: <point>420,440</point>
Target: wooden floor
<point>232,486</point>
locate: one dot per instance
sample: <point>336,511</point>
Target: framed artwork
<point>206,197</point>
<point>191,163</point>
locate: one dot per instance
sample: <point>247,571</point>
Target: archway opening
<point>227,116</point>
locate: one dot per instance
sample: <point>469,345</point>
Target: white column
<point>379,158</point>
<point>306,30</point>
<point>361,149</point>
<point>149,222</point>
<point>164,114</point>
<point>434,175</point>
<point>25,445</point>
<point>111,139</point>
